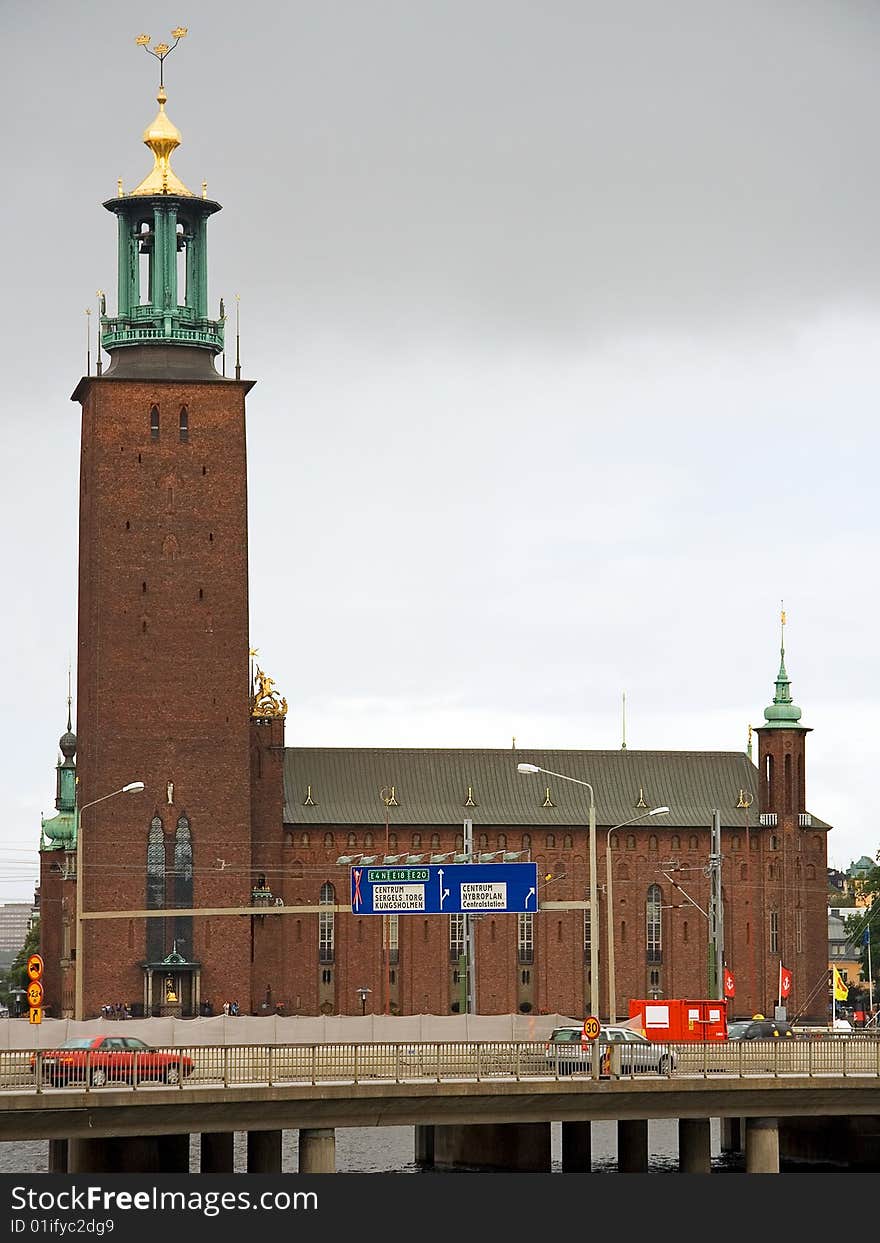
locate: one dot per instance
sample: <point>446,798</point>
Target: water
<point>389,1150</point>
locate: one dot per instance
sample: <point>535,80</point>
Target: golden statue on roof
<point>267,702</point>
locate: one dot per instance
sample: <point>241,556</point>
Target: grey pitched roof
<point>431,786</point>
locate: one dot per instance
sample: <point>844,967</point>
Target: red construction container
<point>680,1020</point>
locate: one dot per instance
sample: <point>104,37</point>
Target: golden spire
<point>162,136</point>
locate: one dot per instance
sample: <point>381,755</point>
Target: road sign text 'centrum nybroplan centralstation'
<point>443,889</point>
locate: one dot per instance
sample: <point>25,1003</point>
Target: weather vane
<point>161,50</point>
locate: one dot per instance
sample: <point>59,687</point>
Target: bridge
<point>483,1104</point>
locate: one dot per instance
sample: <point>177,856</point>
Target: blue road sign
<point>444,888</point>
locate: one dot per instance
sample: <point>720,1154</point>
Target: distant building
<point>842,953</point>
<point>15,920</point>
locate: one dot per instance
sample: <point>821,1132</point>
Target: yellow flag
<point>841,992</point>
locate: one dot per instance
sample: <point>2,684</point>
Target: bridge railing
<point>434,1061</point>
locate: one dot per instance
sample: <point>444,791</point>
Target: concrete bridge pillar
<point>57,1156</point>
<point>317,1151</point>
<point>694,1146</point>
<point>264,1152</point>
<point>576,1148</point>
<point>424,1145</point>
<point>762,1146</point>
<point>217,1148</point>
<point>516,1147</point>
<point>632,1146</point>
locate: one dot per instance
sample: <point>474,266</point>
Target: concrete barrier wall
<point>334,1029</point>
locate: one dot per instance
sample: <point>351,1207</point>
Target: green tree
<point>863,927</point>
<point>17,976</point>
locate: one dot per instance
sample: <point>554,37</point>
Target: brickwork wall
<point>163,678</point>
<point>560,966</point>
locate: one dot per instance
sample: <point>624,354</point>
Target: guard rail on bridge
<point>41,1071</point>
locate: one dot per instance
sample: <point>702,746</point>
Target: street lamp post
<point>133,787</point>
<point>594,890</point>
<point>609,907</point>
<point>363,993</point>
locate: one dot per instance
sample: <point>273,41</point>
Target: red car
<point>101,1059</point>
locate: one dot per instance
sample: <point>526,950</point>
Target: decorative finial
<point>102,310</point>
<point>749,746</point>
<point>88,340</point>
<point>204,189</point>
<point>162,136</point>
<point>161,50</point>
<point>623,742</point>
<point>69,699</point>
<point>237,341</point>
<point>119,194</point>
<point>514,743</point>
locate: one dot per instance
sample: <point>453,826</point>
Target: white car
<point>569,1050</point>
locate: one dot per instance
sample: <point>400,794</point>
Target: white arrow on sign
<point>530,894</point>
<point>444,893</point>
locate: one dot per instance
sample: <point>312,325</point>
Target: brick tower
<point>789,881</point>
<point>163,692</point>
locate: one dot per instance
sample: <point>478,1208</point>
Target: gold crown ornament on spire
<point>162,136</point>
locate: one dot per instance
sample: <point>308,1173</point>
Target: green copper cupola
<point>162,285</point>
<point>59,832</point>
<point>783,713</point>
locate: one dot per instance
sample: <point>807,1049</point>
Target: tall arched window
<point>787,775</point>
<point>653,925</point>
<point>154,422</point>
<point>156,889</point>
<point>326,924</point>
<point>183,885</point>
<point>768,780</point>
<point>184,423</point>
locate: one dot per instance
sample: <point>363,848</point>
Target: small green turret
<point>59,832</point>
<point>783,713</point>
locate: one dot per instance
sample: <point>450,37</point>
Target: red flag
<point>729,989</point>
<point>784,981</point>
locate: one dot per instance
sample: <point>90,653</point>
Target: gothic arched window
<point>155,889</point>
<point>183,885</point>
<point>326,930</point>
<point>653,925</point>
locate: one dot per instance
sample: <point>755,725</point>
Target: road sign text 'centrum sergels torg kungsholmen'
<point>438,889</point>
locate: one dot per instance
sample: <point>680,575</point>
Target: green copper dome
<point>783,713</point>
<point>59,832</point>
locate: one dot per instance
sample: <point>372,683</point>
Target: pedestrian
<point>226,1007</point>
<point>233,1009</point>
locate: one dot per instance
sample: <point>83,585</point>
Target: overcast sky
<point>564,321</point>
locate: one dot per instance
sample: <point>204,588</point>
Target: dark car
<point>760,1029</point>
<point>99,1059</point>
